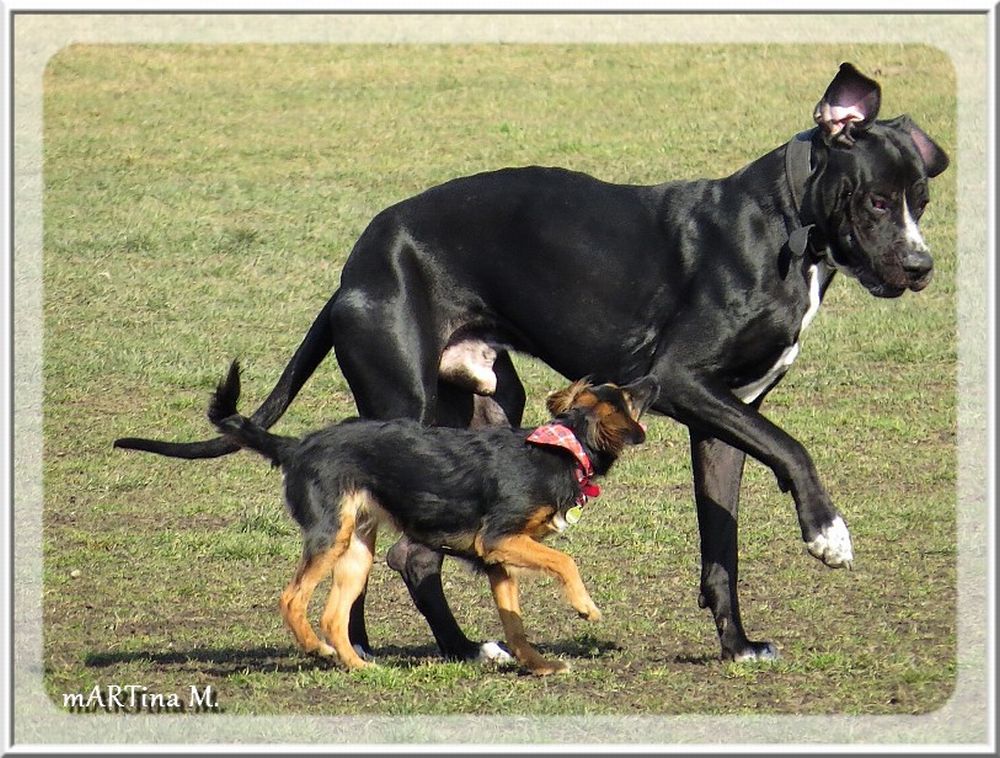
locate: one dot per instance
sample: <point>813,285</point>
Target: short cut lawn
<point>199,204</point>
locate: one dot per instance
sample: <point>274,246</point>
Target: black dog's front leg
<point>723,431</point>
<point>713,411</point>
<point>718,472</point>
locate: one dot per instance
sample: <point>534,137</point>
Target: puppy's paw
<point>357,664</point>
<point>322,650</point>
<point>591,613</point>
<point>547,668</point>
<point>833,545</point>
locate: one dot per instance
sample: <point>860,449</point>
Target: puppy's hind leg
<point>350,576</point>
<point>505,594</point>
<point>294,604</point>
<point>318,560</point>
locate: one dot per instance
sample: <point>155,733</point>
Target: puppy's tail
<point>241,430</point>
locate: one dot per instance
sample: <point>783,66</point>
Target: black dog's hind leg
<point>718,473</point>
<point>357,630</point>
<point>387,377</point>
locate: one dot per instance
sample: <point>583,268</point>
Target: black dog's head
<point>605,417</point>
<point>870,187</point>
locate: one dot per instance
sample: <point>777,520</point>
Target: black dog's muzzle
<point>919,267</point>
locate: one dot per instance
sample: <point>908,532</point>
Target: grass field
<point>199,204</point>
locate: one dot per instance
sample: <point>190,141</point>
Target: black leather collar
<point>798,167</point>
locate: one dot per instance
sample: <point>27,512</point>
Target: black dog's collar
<point>798,167</point>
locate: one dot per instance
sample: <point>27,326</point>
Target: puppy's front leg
<point>522,551</point>
<point>504,588</point>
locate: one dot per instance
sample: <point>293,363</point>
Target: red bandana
<point>557,435</point>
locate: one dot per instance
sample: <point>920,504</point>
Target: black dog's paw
<point>494,653</point>
<point>756,651</point>
<point>833,545</point>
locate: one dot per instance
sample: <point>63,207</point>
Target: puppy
<point>489,495</point>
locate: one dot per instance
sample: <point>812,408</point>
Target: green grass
<point>199,204</point>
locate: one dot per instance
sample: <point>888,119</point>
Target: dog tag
<point>573,514</point>
<point>798,240</point>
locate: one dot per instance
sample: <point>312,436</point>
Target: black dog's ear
<point>935,159</point>
<point>643,392</point>
<point>560,401</point>
<point>850,104</point>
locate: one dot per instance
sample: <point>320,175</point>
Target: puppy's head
<point>605,417</point>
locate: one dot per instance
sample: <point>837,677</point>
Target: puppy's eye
<point>879,203</point>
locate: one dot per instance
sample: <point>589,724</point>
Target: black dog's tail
<point>241,430</point>
<point>314,348</point>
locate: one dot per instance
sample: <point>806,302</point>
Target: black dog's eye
<point>879,203</point>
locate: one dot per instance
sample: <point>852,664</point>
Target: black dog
<point>705,284</point>
<point>489,496</point>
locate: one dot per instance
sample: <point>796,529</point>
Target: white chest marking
<point>750,392</point>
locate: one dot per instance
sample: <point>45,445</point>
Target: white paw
<point>491,652</point>
<point>758,651</point>
<point>362,653</point>
<point>833,545</point>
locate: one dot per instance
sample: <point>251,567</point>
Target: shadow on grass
<point>284,660</point>
<point>277,660</point>
<point>221,661</point>
<point>583,646</point>
<point>696,660</point>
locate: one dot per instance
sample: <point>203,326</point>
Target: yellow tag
<point>573,514</point>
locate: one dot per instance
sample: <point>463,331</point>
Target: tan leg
<point>504,588</point>
<point>295,600</point>
<point>313,568</point>
<point>524,552</point>
<point>350,574</point>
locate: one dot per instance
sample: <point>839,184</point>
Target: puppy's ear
<point>613,432</point>
<point>608,428</point>
<point>560,401</point>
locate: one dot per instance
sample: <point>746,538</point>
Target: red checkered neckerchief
<point>557,435</point>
